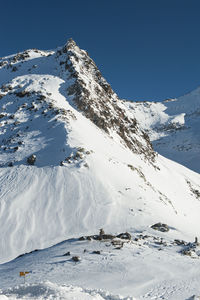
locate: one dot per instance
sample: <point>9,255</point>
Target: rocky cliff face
<point>85,89</point>
<point>92,95</point>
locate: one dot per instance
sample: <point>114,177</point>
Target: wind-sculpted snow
<point>48,290</point>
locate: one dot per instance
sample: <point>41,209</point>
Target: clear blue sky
<point>146,49</point>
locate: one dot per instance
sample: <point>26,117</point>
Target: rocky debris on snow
<point>180,242</point>
<point>67,254</point>
<point>76,258</point>
<point>160,227</point>
<point>22,94</point>
<point>102,236</point>
<point>31,159</point>
<point>118,244</point>
<point>96,252</point>
<point>3,63</point>
<point>2,116</point>
<point>192,249</point>
<point>194,190</point>
<point>143,240</point>
<point>124,236</point>
<point>20,56</point>
<point>75,157</point>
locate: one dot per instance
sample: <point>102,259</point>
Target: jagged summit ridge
<point>92,95</point>
<point>86,90</point>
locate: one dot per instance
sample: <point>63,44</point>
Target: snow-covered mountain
<point>173,127</point>
<point>75,158</point>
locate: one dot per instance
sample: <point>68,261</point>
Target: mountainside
<point>75,158</point>
<point>173,127</point>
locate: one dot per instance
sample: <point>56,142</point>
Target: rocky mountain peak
<point>70,45</point>
<point>83,88</point>
<point>93,96</point>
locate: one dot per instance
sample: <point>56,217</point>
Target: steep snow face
<point>173,127</point>
<point>86,175</point>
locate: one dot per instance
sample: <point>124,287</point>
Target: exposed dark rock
<point>76,258</point>
<point>31,159</point>
<point>67,254</point>
<point>186,252</point>
<point>106,237</point>
<point>160,227</point>
<point>124,236</point>
<point>180,242</point>
<point>102,236</point>
<point>96,252</point>
<point>16,148</point>
<point>14,69</point>
<point>22,94</point>
<point>195,191</point>
<point>20,56</point>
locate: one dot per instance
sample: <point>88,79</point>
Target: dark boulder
<point>31,159</point>
<point>160,227</point>
<point>96,252</point>
<point>124,236</point>
<point>76,258</point>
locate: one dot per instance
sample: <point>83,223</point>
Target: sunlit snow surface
<point>143,269</point>
<point>48,290</point>
<point>105,185</point>
<point>173,126</point>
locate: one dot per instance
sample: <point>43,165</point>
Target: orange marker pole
<point>23,274</point>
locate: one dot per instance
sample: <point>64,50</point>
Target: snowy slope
<point>150,266</point>
<point>173,127</point>
<point>95,166</point>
